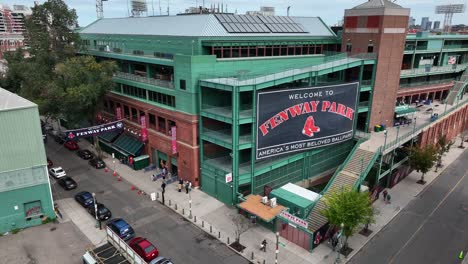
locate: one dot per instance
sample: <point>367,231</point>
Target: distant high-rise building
<point>424,22</point>
<point>12,27</point>
<point>264,11</point>
<point>411,22</point>
<point>436,25</point>
<point>428,25</point>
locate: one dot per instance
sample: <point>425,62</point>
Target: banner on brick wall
<point>94,131</point>
<point>144,131</point>
<point>118,113</point>
<point>174,139</point>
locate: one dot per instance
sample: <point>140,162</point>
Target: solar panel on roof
<point>258,24</point>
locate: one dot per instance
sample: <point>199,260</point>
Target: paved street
<point>431,229</point>
<point>174,237</point>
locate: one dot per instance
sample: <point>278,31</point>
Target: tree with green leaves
<point>443,146</point>
<point>422,159</point>
<point>81,84</point>
<point>350,208</point>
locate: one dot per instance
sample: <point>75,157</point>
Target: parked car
<point>71,145</point>
<point>57,172</point>
<point>84,198</point>
<point>102,211</point>
<point>85,154</point>
<point>161,260</point>
<point>121,228</point>
<point>97,163</point>
<point>67,183</point>
<point>144,248</point>
<point>49,163</point>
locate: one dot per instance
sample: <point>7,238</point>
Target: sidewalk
<point>216,218</point>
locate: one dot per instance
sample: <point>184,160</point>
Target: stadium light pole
<point>382,153</point>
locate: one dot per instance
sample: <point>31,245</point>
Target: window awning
<point>110,136</point>
<point>405,112</point>
<point>128,144</point>
<point>254,205</point>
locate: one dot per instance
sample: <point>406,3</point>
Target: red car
<point>49,163</point>
<point>144,248</point>
<point>71,145</point>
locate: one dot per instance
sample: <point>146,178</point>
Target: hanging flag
<point>118,113</point>
<point>144,131</point>
<point>174,139</point>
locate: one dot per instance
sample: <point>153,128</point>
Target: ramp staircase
<point>457,88</point>
<point>348,175</point>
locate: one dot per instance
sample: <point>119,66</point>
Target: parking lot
<point>45,244</point>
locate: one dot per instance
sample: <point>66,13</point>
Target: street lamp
<point>340,245</point>
<point>190,205</point>
<point>414,128</point>
<point>277,247</point>
<point>98,223</point>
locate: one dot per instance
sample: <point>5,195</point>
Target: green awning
<point>128,144</point>
<point>110,136</point>
<point>405,112</point>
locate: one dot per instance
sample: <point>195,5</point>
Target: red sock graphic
<point>309,127</point>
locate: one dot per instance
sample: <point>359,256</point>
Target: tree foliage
<point>51,33</point>
<point>443,146</point>
<point>61,84</point>
<point>350,208</point>
<point>422,159</point>
<point>82,84</point>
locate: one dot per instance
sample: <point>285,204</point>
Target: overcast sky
<point>330,11</point>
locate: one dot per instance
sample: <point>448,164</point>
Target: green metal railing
<point>424,84</point>
<point>411,134</point>
<point>434,69</point>
<point>368,168</point>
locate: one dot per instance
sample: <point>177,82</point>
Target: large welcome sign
<point>94,131</point>
<point>291,120</point>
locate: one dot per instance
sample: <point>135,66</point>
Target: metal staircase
<point>350,175</point>
<point>457,88</point>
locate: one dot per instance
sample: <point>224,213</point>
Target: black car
<point>84,198</point>
<point>102,211</point>
<point>67,183</point>
<point>97,163</point>
<point>60,138</point>
<point>85,154</point>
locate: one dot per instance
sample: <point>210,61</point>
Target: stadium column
<point>200,132</point>
<point>253,139</point>
<point>235,143</point>
<point>371,96</point>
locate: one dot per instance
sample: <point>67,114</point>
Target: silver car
<point>57,172</point>
<point>161,260</point>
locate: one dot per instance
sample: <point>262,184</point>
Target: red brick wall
<point>450,126</point>
<point>187,141</point>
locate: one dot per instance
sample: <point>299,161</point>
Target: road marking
<point>426,219</point>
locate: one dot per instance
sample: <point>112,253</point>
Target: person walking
<point>263,245</point>
<point>187,187</point>
<point>385,193</point>
<point>389,197</point>
<point>163,186</point>
<point>179,186</point>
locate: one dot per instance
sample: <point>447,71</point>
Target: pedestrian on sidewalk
<point>179,186</point>
<point>153,178</point>
<point>263,245</point>
<point>163,186</point>
<point>187,186</point>
<point>385,193</point>
<point>388,198</point>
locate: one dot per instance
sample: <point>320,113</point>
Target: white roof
<point>9,100</point>
<point>303,192</point>
<point>192,25</point>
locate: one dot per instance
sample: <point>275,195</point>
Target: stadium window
<point>370,47</point>
<point>152,121</point>
<point>182,84</point>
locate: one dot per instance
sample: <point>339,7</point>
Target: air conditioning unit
<point>273,202</point>
<point>264,199</point>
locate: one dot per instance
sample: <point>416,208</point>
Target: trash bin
<point>376,128</point>
<point>382,127</point>
<point>428,102</point>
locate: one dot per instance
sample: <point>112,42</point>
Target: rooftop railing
<point>147,80</point>
<point>435,69</point>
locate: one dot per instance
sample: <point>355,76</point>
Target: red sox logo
<point>71,135</point>
<point>309,127</point>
